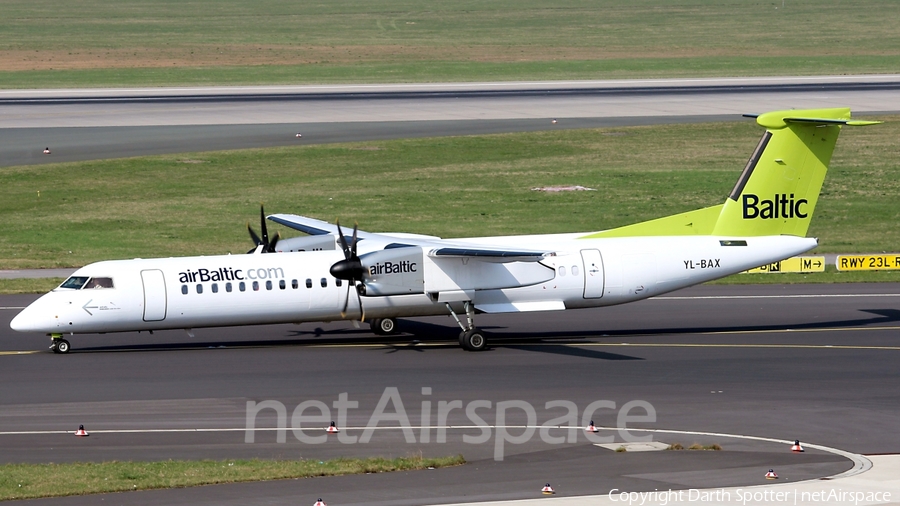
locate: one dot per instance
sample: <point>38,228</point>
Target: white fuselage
<point>212,291</point>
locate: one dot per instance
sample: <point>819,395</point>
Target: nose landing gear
<point>59,345</point>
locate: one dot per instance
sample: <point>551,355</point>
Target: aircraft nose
<point>21,322</point>
<point>30,319</point>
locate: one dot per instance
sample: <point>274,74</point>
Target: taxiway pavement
<point>813,362</point>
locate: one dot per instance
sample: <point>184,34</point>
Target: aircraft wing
<point>490,255</point>
<point>306,225</point>
<point>435,246</point>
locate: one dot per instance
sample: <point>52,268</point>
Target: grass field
<point>50,43</point>
<point>24,481</point>
<point>72,214</point>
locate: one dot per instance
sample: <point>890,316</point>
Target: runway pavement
<point>95,124</point>
<point>813,362</point>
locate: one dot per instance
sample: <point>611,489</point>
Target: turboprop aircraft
<point>764,219</point>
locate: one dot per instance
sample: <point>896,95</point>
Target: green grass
<point>51,43</point>
<point>695,446</point>
<point>830,276</point>
<point>199,203</point>
<point>645,68</point>
<point>26,481</point>
<point>28,285</point>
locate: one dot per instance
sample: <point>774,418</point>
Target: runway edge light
<point>81,432</point>
<point>320,502</point>
<point>771,475</point>
<point>796,447</point>
<point>332,429</point>
<point>547,490</point>
<point>591,428</point>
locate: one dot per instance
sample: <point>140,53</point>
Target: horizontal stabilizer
<point>780,119</point>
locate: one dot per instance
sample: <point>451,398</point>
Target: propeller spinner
<point>268,246</point>
<point>350,269</point>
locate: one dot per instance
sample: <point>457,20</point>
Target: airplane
<point>764,219</point>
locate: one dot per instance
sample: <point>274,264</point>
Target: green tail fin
<point>778,189</point>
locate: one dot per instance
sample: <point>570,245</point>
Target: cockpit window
<point>74,282</point>
<point>99,283</point>
<point>85,283</point>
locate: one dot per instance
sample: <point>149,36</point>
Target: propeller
<point>350,269</point>
<point>268,246</point>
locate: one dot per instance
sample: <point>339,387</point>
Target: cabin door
<point>154,295</point>
<point>593,273</point>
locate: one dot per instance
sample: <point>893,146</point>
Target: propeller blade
<point>346,302</point>
<point>362,310</point>
<point>343,240</point>
<point>271,246</point>
<point>354,241</point>
<point>256,240</point>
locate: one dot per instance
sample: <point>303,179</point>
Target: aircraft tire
<point>62,346</point>
<point>472,340</point>
<point>384,326</point>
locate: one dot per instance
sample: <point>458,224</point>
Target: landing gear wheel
<point>472,340</point>
<point>384,326</point>
<point>61,346</point>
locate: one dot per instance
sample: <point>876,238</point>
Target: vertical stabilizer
<point>778,189</point>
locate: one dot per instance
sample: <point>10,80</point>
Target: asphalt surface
<point>814,362</point>
<point>98,124</point>
<point>24,146</point>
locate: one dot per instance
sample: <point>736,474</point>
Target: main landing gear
<point>471,339</point>
<point>59,345</point>
<point>384,326</point>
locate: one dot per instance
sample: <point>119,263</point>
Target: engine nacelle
<point>308,243</point>
<point>395,271</point>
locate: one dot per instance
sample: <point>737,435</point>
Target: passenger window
<point>74,283</point>
<point>184,289</point>
<point>562,271</point>
<point>574,270</point>
<point>324,283</point>
<point>268,285</point>
<point>199,288</point>
<point>256,286</point>
<point>242,286</point>
<point>295,284</point>
<point>99,283</point>
<point>282,285</point>
<point>228,287</point>
<point>308,283</point>
<point>337,282</point>
<point>215,288</point>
